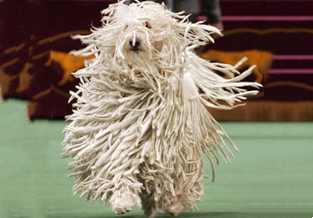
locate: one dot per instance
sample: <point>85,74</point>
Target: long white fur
<point>139,125</point>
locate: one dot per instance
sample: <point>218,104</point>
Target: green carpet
<point>272,175</point>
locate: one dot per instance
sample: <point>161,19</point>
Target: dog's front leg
<point>125,194</point>
<point>124,199</point>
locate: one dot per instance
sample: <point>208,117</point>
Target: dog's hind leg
<point>148,204</point>
<point>191,192</point>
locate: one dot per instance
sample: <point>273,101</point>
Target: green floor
<point>272,175</point>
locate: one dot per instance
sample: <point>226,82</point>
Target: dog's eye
<point>147,25</point>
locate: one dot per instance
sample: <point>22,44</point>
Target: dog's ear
<point>114,10</point>
<point>195,33</point>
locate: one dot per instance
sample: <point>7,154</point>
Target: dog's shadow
<point>160,215</point>
<point>191,215</point>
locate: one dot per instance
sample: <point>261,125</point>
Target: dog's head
<point>144,36</point>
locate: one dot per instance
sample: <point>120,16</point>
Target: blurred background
<point>275,35</point>
<point>271,175</point>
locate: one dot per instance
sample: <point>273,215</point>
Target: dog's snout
<point>134,44</point>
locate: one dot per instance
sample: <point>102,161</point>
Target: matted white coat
<point>139,126</point>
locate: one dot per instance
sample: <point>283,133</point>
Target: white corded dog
<point>140,126</point>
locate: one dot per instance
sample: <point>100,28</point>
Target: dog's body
<point>140,126</point>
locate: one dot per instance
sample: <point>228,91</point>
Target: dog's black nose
<point>134,45</point>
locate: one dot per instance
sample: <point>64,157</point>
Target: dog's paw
<point>175,208</point>
<point>121,209</point>
<point>121,206</point>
